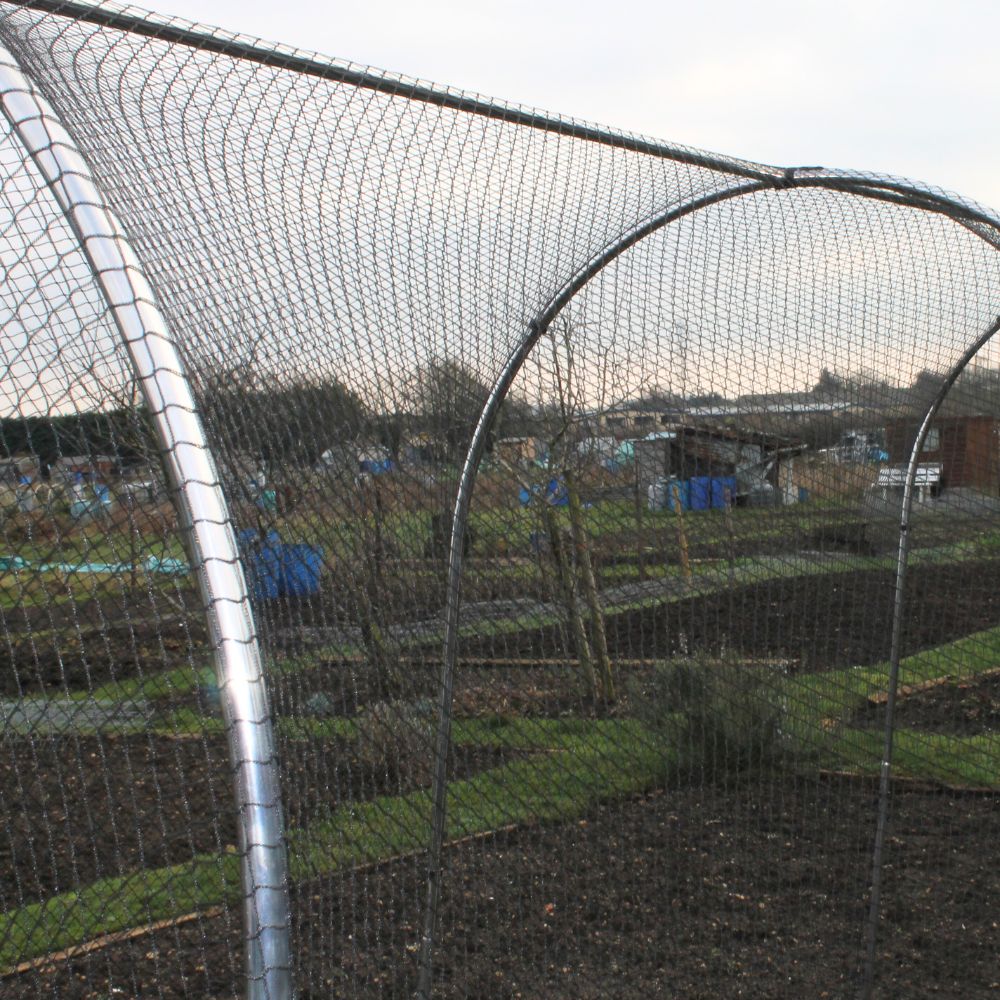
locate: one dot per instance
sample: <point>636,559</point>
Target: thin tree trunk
<point>571,602</point>
<point>586,569</point>
<point>383,651</point>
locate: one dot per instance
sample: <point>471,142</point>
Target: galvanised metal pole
<point>885,771</point>
<point>209,534</point>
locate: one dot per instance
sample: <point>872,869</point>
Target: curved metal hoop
<point>205,517</point>
<point>885,771</point>
<point>501,387</point>
<point>875,188</point>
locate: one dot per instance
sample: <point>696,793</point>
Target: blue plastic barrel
<point>721,487</point>
<point>701,492</point>
<point>555,493</point>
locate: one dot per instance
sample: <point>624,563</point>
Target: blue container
<point>265,573</point>
<point>803,494</point>
<point>301,568</point>
<point>278,570</point>
<point>721,487</point>
<point>701,492</point>
<point>555,493</point>
<point>375,466</point>
<point>268,500</point>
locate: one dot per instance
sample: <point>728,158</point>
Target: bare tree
<point>571,549</point>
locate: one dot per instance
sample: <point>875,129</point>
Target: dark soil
<point>820,622</point>
<point>345,686</point>
<point>80,809</point>
<point>660,544</point>
<point>689,894</point>
<point>407,590</point>
<point>56,665</point>
<point>816,622</point>
<point>958,708</point>
<point>77,646</point>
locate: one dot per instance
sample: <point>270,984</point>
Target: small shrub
<point>714,718</point>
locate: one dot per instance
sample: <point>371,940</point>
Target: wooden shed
<point>966,448</point>
<point>758,461</point>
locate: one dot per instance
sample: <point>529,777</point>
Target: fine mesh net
<point>646,759</point>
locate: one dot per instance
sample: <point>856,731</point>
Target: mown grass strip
<point>838,693</point>
<point>955,761</point>
<point>820,709</point>
<point>610,760</point>
<point>114,904</point>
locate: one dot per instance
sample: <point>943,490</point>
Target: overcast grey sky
<point>907,87</point>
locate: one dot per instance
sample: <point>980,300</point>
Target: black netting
<point>701,726</point>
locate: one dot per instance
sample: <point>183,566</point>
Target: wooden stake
<point>730,535</point>
<point>682,541</point>
<point>639,532</point>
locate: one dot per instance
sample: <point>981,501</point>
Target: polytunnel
<point>455,550</point>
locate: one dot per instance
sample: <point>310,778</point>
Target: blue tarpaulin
<point>554,492</point>
<point>171,567</point>
<point>277,569</point>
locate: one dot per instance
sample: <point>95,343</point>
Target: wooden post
<point>730,535</point>
<point>639,533</point>
<point>682,541</point>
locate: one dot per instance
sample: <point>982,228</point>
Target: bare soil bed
<point>79,646</point>
<point>79,809</point>
<point>816,622</point>
<point>819,622</point>
<point>810,623</point>
<point>958,708</point>
<point>757,891</point>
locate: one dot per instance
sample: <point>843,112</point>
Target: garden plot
<point>678,893</point>
<point>819,621</point>
<point>537,774</point>
<point>82,809</point>
<point>960,706</point>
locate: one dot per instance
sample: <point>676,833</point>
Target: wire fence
<point>454,551</point>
